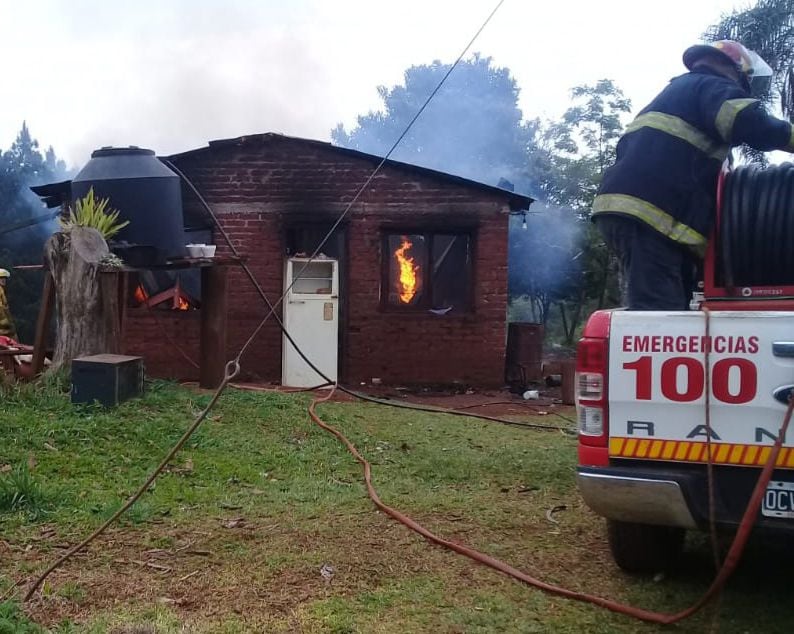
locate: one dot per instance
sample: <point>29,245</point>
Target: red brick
<point>271,181</point>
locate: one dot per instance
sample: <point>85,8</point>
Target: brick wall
<point>259,187</point>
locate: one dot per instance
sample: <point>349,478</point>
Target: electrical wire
<point>361,189</point>
<point>233,367</point>
<point>232,370</point>
<point>712,502</point>
<point>451,412</point>
<point>272,312</point>
<point>535,408</point>
<point>29,223</point>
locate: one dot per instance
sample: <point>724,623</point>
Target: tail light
<point>591,391</point>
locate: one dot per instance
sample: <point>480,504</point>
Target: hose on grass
<point>650,616</point>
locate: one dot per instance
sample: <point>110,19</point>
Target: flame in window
<point>409,271</point>
<point>180,303</point>
<point>140,295</point>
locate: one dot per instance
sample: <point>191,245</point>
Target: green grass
<point>14,621</point>
<point>20,491</point>
<point>232,537</point>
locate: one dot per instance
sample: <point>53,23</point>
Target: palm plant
<point>90,211</point>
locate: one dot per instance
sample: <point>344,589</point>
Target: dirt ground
<point>489,402</point>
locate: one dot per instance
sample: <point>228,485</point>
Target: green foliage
<point>473,127</point>
<point>767,28</point>
<point>14,621</point>
<point>543,263</point>
<point>20,491</point>
<point>560,260</point>
<point>95,213</point>
<point>21,166</point>
<point>583,143</point>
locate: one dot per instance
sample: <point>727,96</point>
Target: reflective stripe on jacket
<point>669,157</point>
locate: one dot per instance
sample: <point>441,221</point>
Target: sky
<point>173,74</point>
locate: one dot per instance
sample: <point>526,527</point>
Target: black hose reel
<point>755,242</point>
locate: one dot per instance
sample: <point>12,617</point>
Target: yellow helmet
<point>5,273</point>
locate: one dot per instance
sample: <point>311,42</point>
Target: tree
<point>21,166</point>
<point>768,29</point>
<point>583,143</point>
<point>472,127</point>
<point>86,296</point>
<point>543,266</point>
<point>580,148</point>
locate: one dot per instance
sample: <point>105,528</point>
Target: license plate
<point>779,500</point>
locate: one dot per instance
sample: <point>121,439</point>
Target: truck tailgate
<point>658,381</point>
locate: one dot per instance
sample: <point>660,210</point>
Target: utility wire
<point>233,366</point>
<point>293,343</point>
<point>343,215</point>
<point>29,223</point>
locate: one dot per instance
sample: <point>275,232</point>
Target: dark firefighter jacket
<point>669,157</point>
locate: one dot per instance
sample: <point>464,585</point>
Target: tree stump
<point>86,298</point>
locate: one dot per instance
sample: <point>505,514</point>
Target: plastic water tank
<point>146,193</point>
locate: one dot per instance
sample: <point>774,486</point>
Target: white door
<point>311,317</point>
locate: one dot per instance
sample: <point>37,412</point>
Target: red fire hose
<point>724,573</point>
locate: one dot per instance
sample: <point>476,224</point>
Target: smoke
<point>545,260</point>
<point>206,71</point>
<point>471,128</point>
<point>22,236</point>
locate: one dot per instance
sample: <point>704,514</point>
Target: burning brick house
<point>422,262</point>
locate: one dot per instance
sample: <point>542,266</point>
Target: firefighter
<point>7,328</point>
<point>655,206</point>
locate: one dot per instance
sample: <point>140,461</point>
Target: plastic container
<point>144,191</point>
<point>195,250</point>
<point>208,250</point>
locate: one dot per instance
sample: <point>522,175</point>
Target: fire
<point>180,303</point>
<point>409,270</point>
<point>140,294</point>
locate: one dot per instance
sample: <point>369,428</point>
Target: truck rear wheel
<point>642,547</point>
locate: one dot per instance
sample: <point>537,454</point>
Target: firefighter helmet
<point>754,73</point>
<point>4,273</point>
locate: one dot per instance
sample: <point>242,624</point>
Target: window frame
<point>429,234</point>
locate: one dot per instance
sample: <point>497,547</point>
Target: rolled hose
<point>757,212</point>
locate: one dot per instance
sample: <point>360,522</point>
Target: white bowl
<point>195,250</point>
<point>208,250</point>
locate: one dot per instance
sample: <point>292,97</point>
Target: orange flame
<point>409,270</point>
<point>140,294</point>
<point>181,303</point>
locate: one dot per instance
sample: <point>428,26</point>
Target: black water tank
<point>145,192</point>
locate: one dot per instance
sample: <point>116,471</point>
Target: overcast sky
<point>173,74</point>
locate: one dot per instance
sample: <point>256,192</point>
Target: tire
<point>644,548</point>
